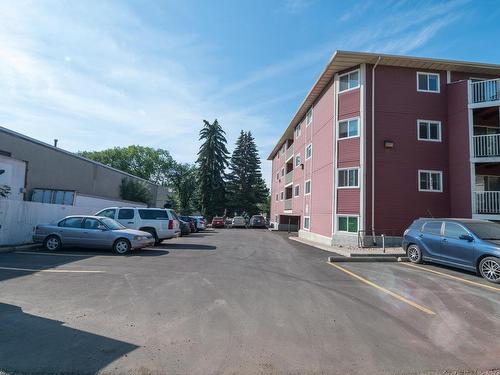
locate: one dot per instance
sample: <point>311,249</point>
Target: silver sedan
<point>92,232</point>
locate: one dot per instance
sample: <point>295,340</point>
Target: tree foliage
<point>148,163</point>
<point>183,182</point>
<point>246,187</point>
<point>135,191</point>
<point>212,161</point>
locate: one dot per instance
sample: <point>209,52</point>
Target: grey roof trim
<point>40,143</point>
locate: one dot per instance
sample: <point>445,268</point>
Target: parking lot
<point>244,301</point>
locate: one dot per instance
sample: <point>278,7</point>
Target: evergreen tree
<point>212,161</point>
<point>246,187</point>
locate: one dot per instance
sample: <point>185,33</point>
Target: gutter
<point>373,150</point>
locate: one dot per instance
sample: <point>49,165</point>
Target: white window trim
<point>344,231</point>
<point>310,187</point>
<point>312,114</point>
<point>282,195</point>
<point>438,82</point>
<point>347,120</point>
<point>282,171</point>
<point>295,165</point>
<point>430,171</point>
<point>298,126</point>
<point>304,223</point>
<point>310,144</point>
<point>295,187</point>
<point>347,169</point>
<point>352,88</point>
<point>429,140</point>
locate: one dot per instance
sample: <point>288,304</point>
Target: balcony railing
<point>487,202</point>
<point>486,145</point>
<point>289,152</point>
<point>485,91</point>
<point>288,204</point>
<point>289,178</point>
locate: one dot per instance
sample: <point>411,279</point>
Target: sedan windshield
<point>112,224</point>
<point>485,231</point>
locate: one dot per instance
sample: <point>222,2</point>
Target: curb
<point>10,249</point>
<point>366,259</point>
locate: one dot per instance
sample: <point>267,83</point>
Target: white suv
<point>161,223</point>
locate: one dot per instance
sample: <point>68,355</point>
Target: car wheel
<point>414,254</point>
<point>121,246</point>
<point>153,233</point>
<point>52,243</point>
<point>489,268</point>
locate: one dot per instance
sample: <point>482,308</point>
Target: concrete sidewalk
<point>11,248</point>
<point>352,251</point>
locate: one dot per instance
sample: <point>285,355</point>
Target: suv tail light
<point>170,224</point>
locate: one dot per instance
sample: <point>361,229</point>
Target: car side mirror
<point>467,237</point>
<point>102,227</point>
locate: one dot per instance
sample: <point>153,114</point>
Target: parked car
<point>228,221</point>
<point>161,223</point>
<point>218,222</point>
<point>191,221</point>
<point>469,244</point>
<point>201,223</point>
<point>239,222</point>
<point>91,232</point>
<point>185,227</point>
<point>257,221</point>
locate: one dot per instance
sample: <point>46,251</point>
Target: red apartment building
<point>381,140</point>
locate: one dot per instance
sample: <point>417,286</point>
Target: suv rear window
<point>126,213</point>
<point>153,214</point>
<point>432,227</point>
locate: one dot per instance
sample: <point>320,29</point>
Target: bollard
<point>383,243</point>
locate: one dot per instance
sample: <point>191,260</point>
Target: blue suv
<point>469,244</point>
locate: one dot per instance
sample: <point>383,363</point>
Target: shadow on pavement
<point>186,246</point>
<point>32,344</point>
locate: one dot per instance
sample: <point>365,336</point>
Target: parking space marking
<point>490,287</point>
<point>64,254</point>
<point>384,290</point>
<point>48,270</point>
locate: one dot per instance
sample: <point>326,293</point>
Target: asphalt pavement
<point>240,301</point>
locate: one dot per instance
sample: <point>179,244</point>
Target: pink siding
<point>348,153</point>
<point>348,201</point>
<point>349,104</point>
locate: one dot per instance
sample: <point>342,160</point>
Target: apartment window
<point>429,130</point>
<point>349,81</point>
<point>428,82</point>
<point>64,197</point>
<point>348,178</point>
<point>296,190</point>
<point>307,187</point>
<point>307,222</point>
<point>348,224</point>
<point>278,176</point>
<point>297,160</point>
<point>349,128</point>
<point>430,181</point>
<point>297,131</point>
<point>309,117</point>
<point>276,218</point>
<point>282,171</point>
<point>282,196</point>
<point>282,149</point>
<point>309,151</point>
<point>277,197</point>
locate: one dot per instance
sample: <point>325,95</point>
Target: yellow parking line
<point>50,270</point>
<point>384,290</point>
<point>453,277</point>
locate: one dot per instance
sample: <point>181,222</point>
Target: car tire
<point>122,246</point>
<point>52,243</point>
<point>489,268</point>
<point>414,254</point>
<point>155,236</point>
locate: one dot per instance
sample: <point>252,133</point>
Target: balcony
<point>289,152</point>
<point>485,91</point>
<point>289,178</point>
<point>288,204</point>
<point>487,202</point>
<point>486,145</point>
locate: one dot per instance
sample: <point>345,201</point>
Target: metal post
<point>289,219</point>
<point>383,242</point>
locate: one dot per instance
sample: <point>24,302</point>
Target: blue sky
<point>98,74</point>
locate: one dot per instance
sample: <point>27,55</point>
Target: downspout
<point>373,151</point>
